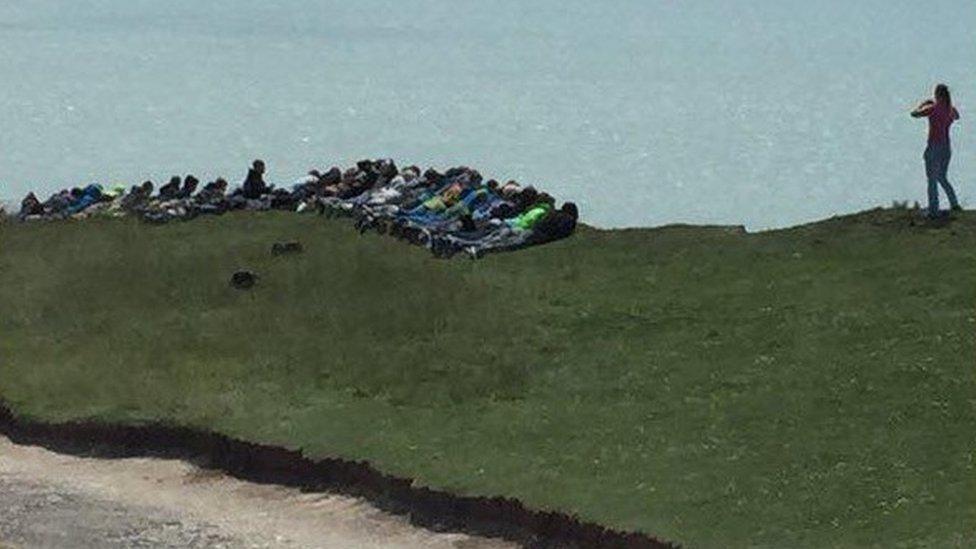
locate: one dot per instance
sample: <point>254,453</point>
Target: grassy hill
<point>812,386</point>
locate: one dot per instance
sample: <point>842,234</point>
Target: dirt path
<point>54,500</point>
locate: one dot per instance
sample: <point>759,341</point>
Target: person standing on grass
<point>941,115</point>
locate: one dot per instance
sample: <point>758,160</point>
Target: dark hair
<point>570,209</point>
<point>527,197</point>
<point>942,94</point>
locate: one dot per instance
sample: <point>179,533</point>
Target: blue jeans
<point>937,156</point>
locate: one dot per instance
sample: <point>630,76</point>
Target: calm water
<point>762,112</point>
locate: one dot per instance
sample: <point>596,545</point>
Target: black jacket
<point>254,185</point>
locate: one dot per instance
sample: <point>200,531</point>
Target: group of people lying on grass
<point>450,212</point>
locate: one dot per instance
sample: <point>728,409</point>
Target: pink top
<point>941,118</point>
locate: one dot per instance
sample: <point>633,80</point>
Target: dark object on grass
<point>243,280</point>
<point>282,248</point>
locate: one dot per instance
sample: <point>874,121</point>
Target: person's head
<point>258,166</point>
<point>942,95</point>
<point>510,189</point>
<point>571,210</point>
<point>386,167</point>
<point>190,184</point>
<point>432,176</point>
<point>529,195</point>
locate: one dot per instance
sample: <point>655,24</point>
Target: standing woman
<point>941,115</point>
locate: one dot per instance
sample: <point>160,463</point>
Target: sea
<point>765,113</point>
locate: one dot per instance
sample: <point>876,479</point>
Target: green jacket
<point>531,217</point>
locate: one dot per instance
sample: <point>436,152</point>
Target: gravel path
<point>53,500</point>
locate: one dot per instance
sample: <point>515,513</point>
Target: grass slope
<point>805,387</point>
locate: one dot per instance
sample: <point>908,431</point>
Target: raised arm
<point>923,109</point>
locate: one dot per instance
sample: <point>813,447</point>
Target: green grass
<point>807,387</point>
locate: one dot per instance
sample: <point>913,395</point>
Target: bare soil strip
<point>55,500</point>
<point>426,509</point>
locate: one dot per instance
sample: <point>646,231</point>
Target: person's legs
<point>931,172</point>
<point>943,178</point>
